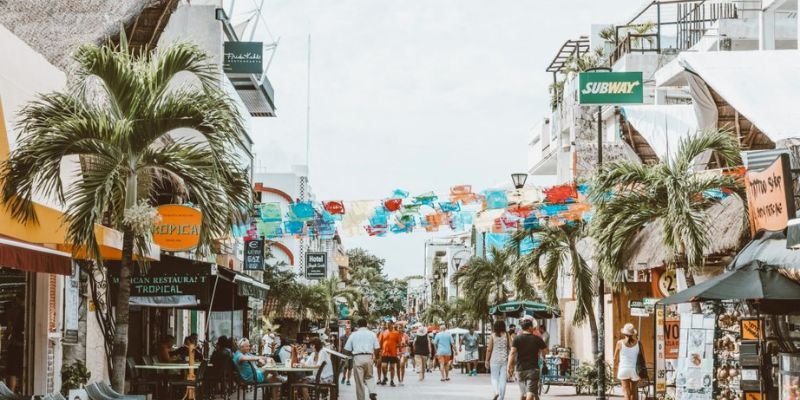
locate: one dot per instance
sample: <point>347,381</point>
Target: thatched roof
<point>55,28</point>
<point>727,230</point>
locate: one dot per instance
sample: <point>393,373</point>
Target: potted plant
<point>73,379</point>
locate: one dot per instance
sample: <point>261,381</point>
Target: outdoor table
<point>175,367</point>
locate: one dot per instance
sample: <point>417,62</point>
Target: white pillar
<point>766,28</point>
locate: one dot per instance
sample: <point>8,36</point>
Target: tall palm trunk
<point>120,347</point>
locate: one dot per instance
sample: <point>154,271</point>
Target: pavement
<point>460,386</point>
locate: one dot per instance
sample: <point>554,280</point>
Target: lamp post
<point>519,180</point>
<point>601,285</point>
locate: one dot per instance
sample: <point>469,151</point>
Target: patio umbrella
<point>755,281</point>
<point>457,331</point>
<point>525,307</point>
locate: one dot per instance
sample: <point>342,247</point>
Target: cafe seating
<point>243,386</point>
<point>185,383</point>
<point>315,388</point>
<point>218,380</point>
<point>138,380</point>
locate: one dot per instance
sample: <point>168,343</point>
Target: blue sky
<point>413,94</point>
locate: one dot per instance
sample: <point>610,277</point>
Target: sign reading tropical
<point>769,196</point>
<point>243,58</point>
<point>178,229</point>
<point>316,265</point>
<point>610,88</point>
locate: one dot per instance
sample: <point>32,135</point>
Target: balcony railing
<point>677,25</point>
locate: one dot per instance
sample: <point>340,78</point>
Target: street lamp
<point>519,180</point>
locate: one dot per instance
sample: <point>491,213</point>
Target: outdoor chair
<point>95,393</point>
<point>218,379</point>
<point>243,386</point>
<point>185,383</point>
<point>315,388</point>
<point>333,388</point>
<point>8,394</point>
<point>138,380</point>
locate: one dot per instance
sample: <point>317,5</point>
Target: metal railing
<point>677,25</point>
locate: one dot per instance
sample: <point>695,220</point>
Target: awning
<point>183,283</point>
<point>29,257</point>
<point>521,308</point>
<point>663,126</point>
<point>763,85</point>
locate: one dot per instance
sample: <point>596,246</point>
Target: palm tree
<point>331,293</point>
<point>484,280</point>
<point>555,256</point>
<point>309,301</point>
<point>117,116</point>
<point>669,192</point>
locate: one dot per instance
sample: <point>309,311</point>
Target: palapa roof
<point>727,234</point>
<point>55,28</point>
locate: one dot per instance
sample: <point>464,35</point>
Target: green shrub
<point>74,377</point>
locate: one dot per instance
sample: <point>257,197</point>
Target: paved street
<point>460,387</point>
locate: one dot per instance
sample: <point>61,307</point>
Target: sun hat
<point>422,331</point>
<point>628,330</point>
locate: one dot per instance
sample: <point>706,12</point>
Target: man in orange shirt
<point>390,345</point>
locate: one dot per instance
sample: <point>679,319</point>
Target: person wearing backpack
<point>423,348</point>
<point>497,358</point>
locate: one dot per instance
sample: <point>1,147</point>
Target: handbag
<point>641,366</point>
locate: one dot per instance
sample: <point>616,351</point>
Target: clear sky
<point>413,94</point>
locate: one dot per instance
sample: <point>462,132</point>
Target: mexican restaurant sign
<point>178,229</point>
<point>769,196</point>
<point>243,58</point>
<point>610,88</point>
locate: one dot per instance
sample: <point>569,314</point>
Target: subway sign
<point>610,88</point>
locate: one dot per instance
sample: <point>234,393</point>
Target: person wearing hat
<point>423,348</point>
<point>627,356</point>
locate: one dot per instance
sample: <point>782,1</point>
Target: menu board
<point>695,369</point>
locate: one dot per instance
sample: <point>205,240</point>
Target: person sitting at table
<point>285,351</point>
<point>244,359</point>
<point>315,359</point>
<point>165,350</point>
<point>183,352</point>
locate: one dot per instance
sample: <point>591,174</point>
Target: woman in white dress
<point>626,357</point>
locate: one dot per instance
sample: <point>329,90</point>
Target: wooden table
<point>175,367</point>
<point>285,369</point>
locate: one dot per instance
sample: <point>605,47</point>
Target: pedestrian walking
<point>405,352</point>
<point>524,358</point>
<point>364,346</point>
<point>347,365</point>
<point>629,360</point>
<point>445,351</point>
<point>497,358</point>
<point>423,348</point>
<point>470,347</point>
<point>390,343</point>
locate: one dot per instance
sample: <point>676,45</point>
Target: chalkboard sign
<point>254,255</point>
<point>316,265</point>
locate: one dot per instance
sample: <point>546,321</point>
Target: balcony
<point>542,149</point>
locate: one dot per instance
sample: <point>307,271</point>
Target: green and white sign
<point>610,88</point>
<point>243,58</point>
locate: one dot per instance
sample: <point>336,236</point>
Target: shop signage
<point>254,255</point>
<point>165,285</point>
<point>316,265</point>
<point>246,289</point>
<point>610,88</point>
<point>72,306</point>
<point>751,329</point>
<point>672,339</point>
<point>661,376</point>
<point>769,196</point>
<point>638,308</point>
<point>178,229</point>
<point>665,283</point>
<point>243,58</point>
<point>650,303</point>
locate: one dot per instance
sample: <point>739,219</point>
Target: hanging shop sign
<point>672,339</point>
<point>316,265</point>
<point>178,228</point>
<point>243,58</point>
<point>254,255</point>
<point>665,283</point>
<point>769,196</point>
<point>165,285</point>
<point>751,329</point>
<point>610,88</point>
<point>250,290</point>
<point>638,308</point>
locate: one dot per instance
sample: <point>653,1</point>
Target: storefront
<point>178,297</point>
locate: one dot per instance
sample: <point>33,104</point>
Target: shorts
<point>528,381</point>
<point>627,373</point>
<point>390,360</point>
<point>444,359</point>
<point>471,355</point>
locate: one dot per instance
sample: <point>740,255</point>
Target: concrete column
<point>766,29</point>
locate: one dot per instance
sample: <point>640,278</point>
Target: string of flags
<point>498,212</point>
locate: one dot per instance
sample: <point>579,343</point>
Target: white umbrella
<point>457,331</point>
